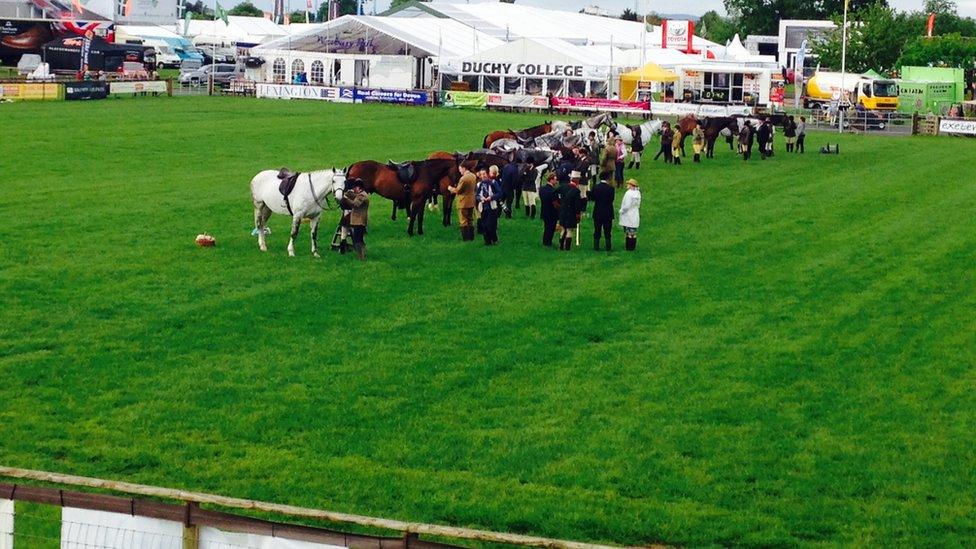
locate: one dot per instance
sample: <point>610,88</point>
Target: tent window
<point>490,84</point>
<point>335,72</point>
<point>446,80</point>
<point>278,70</point>
<point>513,85</point>
<point>318,73</point>
<point>598,88</point>
<point>472,80</point>
<point>577,88</point>
<point>297,67</point>
<point>533,86</point>
<point>556,87</point>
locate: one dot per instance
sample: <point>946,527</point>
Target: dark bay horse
<point>523,136</point>
<point>408,184</point>
<point>713,128</point>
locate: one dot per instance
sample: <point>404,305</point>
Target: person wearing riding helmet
<point>608,160</point>
<point>636,148</point>
<point>698,140</point>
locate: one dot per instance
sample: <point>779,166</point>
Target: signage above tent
<point>678,35</point>
<point>522,69</point>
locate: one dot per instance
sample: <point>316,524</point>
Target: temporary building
<point>630,82</point>
<point>371,51</point>
<point>533,67</point>
<point>239,31</point>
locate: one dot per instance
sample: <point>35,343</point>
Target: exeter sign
<point>522,69</point>
<point>964,127</point>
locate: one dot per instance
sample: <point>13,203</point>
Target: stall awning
<point>650,72</point>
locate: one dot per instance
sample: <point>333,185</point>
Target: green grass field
<point>788,359</point>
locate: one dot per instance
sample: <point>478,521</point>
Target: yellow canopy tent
<point>648,73</point>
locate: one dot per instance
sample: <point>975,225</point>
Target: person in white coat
<point>630,214</point>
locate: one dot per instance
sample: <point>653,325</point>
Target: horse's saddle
<point>288,179</point>
<point>406,171</point>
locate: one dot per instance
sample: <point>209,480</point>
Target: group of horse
<point>412,185</point>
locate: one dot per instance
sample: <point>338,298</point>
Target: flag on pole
<point>221,14</point>
<point>186,22</point>
<point>128,8</point>
<point>930,26</point>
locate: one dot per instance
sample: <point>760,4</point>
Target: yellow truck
<point>874,94</point>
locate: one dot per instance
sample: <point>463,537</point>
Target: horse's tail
<point>485,143</point>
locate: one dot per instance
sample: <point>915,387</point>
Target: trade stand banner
<point>596,104</point>
<point>154,86</point>
<point>957,127</point>
<point>683,109</point>
<point>400,97</point>
<point>88,89</point>
<point>464,99</point>
<point>31,91</point>
<point>289,91</point>
<point>518,101</point>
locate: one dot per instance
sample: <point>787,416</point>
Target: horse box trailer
<point>717,83</point>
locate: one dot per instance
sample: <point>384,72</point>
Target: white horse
<point>648,129</point>
<point>308,199</point>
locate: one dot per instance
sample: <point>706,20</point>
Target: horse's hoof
<point>316,255</point>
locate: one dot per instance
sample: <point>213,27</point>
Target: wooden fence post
<point>938,124</point>
<point>191,532</point>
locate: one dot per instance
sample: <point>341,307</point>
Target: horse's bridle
<point>328,205</point>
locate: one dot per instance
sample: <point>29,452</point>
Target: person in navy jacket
<point>489,199</point>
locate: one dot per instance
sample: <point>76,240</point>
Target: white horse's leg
<point>315,234</point>
<point>261,214</point>
<point>296,222</point>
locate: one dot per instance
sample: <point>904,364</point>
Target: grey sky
<point>694,7</point>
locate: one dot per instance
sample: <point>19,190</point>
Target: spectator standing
<point>636,149</point>
<point>762,137</point>
<point>630,214</point>
<point>549,196</point>
<point>698,141</point>
<point>801,134</point>
<point>745,140</point>
<point>789,131</point>
<point>358,201</point>
<point>465,191</point>
<point>489,199</point>
<point>603,197</point>
<point>510,177</point>
<point>618,167</point>
<point>676,148</point>
<point>570,207</point>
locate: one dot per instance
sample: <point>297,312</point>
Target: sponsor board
<point>155,86</point>
<point>594,104</point>
<point>960,127</point>
<point>368,95</point>
<point>682,109</point>
<point>461,99</point>
<point>521,101</point>
<point>288,91</point>
<point>32,92</point>
<point>86,89</point>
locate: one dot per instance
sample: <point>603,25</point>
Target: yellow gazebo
<point>651,72</point>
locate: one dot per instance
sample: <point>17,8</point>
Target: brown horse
<point>685,126</point>
<point>522,136</point>
<point>408,185</point>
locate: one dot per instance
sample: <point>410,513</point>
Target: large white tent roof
<point>509,21</point>
<point>240,29</point>
<point>391,36</point>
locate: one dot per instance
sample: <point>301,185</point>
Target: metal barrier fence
<point>101,521</point>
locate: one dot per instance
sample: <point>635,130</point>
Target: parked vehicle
<point>222,73</point>
<point>874,94</point>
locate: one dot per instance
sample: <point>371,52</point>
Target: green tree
<point>951,50</point>
<point>297,16</point>
<point>876,36</point>
<point>763,16</point>
<point>346,7</point>
<point>629,15</point>
<point>942,7</point>
<point>247,9</point>
<point>716,28</point>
